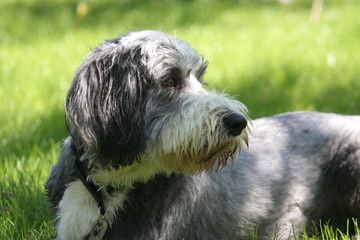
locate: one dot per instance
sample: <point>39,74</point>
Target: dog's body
<point>157,146</point>
<point>277,185</point>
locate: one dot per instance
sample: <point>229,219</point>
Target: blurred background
<point>274,56</point>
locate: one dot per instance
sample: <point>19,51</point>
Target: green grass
<point>266,53</point>
<point>323,231</point>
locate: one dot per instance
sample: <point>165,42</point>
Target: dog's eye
<point>170,83</point>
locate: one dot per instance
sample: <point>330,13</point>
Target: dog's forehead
<point>162,50</point>
<point>151,41</point>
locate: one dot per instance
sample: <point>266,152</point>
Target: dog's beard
<point>193,162</point>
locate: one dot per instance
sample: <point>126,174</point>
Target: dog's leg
<point>344,181</point>
<point>352,182</point>
<point>77,212</point>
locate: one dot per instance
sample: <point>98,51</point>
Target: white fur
<point>124,177</point>
<point>78,211</point>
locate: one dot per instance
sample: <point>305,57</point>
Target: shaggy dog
<point>154,155</point>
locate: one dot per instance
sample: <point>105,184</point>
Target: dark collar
<point>93,189</point>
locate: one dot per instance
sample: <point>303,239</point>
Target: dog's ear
<point>105,106</point>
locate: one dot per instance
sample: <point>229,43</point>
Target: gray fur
<point>298,168</point>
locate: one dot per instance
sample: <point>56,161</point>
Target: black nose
<point>234,123</point>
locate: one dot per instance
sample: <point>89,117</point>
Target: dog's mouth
<point>221,149</point>
<point>219,156</point>
<point>208,158</point>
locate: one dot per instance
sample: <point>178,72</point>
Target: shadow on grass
<point>263,96</point>
<point>41,132</point>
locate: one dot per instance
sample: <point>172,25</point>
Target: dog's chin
<point>207,159</point>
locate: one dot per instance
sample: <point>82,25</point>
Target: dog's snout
<point>234,123</point>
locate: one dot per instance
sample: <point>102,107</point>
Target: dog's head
<point>141,96</point>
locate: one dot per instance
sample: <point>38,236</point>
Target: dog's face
<point>141,97</point>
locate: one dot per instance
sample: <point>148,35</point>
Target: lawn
<point>268,54</point>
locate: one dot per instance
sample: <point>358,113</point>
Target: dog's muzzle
<point>234,123</point>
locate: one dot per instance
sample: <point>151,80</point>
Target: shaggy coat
<point>169,159</point>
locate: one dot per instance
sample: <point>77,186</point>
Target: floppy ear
<point>105,106</point>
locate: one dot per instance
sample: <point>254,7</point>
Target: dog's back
<point>300,167</point>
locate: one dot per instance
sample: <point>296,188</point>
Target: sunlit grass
<point>269,55</point>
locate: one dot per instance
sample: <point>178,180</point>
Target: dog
<point>153,154</point>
